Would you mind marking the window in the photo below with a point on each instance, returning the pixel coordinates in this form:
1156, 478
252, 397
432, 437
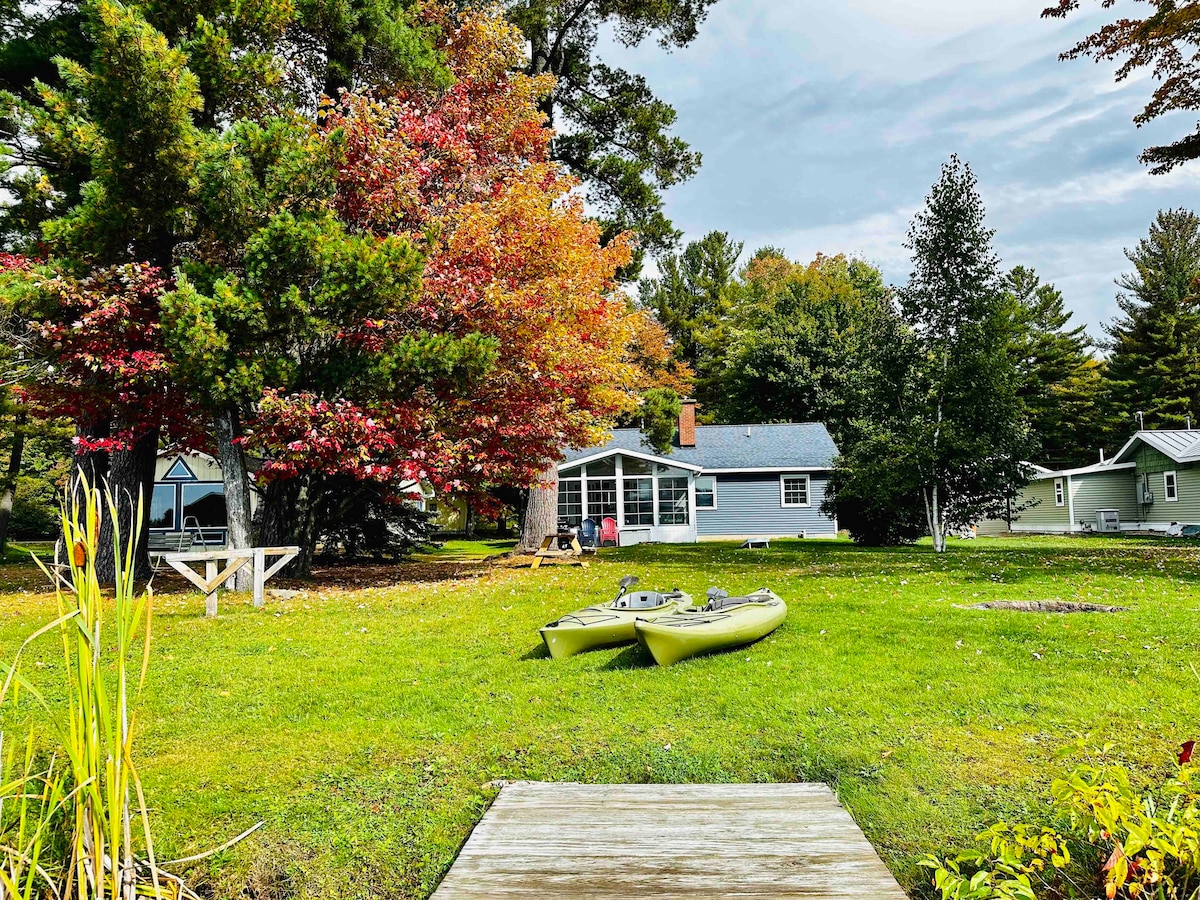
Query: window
1060, 498
431, 505
793, 490
706, 492
602, 468
205, 503
631, 465
601, 497
639, 501
1170, 487
570, 502
162, 506
672, 501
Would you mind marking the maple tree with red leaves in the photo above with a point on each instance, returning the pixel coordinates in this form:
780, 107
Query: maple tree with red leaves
1166, 42
514, 272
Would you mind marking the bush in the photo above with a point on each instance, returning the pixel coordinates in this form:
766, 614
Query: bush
1125, 843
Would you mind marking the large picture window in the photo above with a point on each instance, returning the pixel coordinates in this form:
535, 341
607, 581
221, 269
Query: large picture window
570, 502
639, 501
602, 498
204, 505
793, 490
162, 506
672, 501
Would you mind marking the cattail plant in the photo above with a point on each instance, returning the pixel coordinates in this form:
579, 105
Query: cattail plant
81, 831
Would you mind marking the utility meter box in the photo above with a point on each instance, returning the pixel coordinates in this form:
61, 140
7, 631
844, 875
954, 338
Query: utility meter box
1108, 521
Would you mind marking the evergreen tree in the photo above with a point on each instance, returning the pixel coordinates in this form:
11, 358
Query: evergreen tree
1154, 363
617, 134
694, 298
1058, 374
946, 427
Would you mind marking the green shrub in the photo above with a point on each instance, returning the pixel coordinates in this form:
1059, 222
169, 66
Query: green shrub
1128, 843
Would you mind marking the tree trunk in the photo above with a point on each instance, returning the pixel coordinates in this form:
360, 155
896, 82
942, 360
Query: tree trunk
130, 477
9, 492
541, 516
306, 530
236, 476
91, 464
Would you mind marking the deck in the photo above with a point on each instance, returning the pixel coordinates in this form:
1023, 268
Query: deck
662, 841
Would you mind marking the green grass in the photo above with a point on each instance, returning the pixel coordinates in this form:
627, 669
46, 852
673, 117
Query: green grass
19, 551
363, 726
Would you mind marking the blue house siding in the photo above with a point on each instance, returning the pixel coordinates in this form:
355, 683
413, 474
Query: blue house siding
749, 504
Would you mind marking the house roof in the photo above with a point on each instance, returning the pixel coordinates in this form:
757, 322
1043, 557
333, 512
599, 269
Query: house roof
734, 448
1181, 446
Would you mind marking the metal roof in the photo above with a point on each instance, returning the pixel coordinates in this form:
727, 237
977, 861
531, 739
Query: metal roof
804, 445
1181, 446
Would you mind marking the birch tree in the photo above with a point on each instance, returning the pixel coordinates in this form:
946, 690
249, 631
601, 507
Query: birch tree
945, 436
961, 421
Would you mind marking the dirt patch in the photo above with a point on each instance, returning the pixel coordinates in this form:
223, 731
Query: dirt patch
1046, 606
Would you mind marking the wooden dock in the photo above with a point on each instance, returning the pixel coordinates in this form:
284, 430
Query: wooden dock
653, 840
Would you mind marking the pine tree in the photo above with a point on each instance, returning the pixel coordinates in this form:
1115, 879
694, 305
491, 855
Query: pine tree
1154, 365
1058, 372
694, 298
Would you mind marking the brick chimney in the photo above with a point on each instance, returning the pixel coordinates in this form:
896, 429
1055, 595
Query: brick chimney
687, 424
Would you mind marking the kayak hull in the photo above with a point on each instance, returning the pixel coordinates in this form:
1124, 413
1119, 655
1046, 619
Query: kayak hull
695, 632
596, 627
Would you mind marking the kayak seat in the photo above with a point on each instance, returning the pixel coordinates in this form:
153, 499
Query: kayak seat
642, 600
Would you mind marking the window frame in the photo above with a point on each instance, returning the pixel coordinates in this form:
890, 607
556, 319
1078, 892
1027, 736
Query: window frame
1060, 492
1171, 487
783, 501
712, 478
637, 503
678, 491
181, 515
564, 484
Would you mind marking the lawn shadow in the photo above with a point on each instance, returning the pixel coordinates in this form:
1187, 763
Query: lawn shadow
632, 657
537, 652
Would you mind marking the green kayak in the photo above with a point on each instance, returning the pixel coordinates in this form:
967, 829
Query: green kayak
723, 623
609, 624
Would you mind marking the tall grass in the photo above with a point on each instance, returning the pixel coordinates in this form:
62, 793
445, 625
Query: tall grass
80, 829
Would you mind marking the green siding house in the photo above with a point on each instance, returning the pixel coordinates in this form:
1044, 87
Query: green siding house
1151, 484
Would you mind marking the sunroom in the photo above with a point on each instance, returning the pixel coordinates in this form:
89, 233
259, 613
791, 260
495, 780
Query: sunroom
649, 498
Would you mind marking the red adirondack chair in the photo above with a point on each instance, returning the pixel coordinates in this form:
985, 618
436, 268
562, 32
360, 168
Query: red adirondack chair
608, 532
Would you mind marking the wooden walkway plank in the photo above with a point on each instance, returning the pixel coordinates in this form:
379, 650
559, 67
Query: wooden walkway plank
609, 842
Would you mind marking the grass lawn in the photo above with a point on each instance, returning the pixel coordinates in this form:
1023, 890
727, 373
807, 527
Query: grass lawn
364, 725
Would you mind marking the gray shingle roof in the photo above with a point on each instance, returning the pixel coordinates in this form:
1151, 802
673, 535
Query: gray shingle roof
805, 445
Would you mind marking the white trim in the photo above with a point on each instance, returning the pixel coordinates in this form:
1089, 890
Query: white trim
636, 454
1096, 469
783, 491
696, 504
771, 469
1071, 502
1167, 489
1060, 492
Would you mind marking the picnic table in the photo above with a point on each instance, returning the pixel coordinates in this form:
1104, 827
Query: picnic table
552, 549
234, 560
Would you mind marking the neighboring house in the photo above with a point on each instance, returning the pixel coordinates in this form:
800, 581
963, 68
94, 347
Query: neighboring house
1152, 483
189, 495
717, 482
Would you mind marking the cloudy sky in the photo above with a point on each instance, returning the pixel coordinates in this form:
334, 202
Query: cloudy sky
823, 125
